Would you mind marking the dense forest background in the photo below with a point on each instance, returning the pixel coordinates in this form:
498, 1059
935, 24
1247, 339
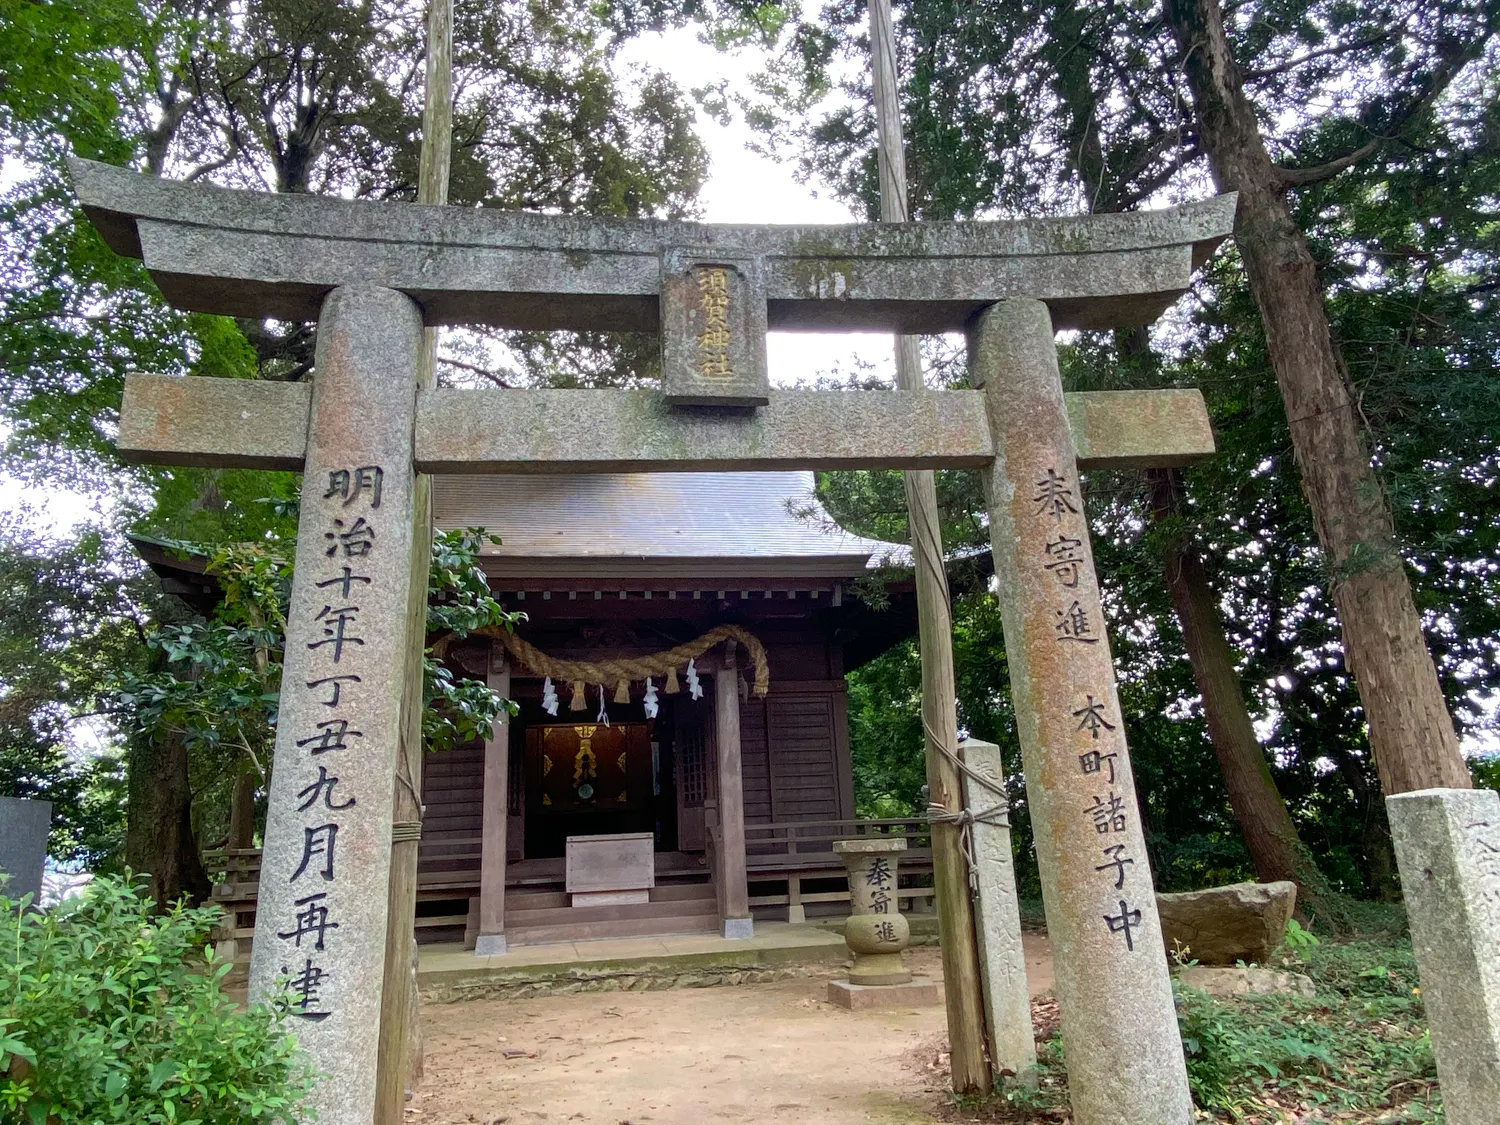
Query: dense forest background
146, 723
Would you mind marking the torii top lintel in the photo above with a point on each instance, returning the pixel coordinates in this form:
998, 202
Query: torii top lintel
711, 291
254, 254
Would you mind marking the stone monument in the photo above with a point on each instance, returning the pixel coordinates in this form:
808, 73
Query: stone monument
876, 933
321, 911
997, 913
1448, 849
373, 274
24, 825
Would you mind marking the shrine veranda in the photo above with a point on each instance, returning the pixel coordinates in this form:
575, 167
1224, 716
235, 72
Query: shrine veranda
373, 275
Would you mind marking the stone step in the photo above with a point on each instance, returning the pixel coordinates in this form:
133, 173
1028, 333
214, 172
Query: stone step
682, 892
560, 915
517, 902
524, 903
616, 928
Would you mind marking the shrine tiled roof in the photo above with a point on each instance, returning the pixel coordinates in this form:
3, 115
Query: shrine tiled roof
644, 516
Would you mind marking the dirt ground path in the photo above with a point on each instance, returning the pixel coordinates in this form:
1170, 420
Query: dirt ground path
760, 1053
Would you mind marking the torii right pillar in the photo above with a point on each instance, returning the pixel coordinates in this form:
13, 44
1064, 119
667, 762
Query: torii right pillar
1119, 1026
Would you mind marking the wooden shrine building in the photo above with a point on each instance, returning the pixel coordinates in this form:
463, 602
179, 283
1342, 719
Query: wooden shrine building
606, 567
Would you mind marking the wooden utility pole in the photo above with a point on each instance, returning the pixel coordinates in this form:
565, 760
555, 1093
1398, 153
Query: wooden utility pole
400, 1014
961, 975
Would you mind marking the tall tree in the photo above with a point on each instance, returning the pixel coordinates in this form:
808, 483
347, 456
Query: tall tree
1411, 733
1075, 104
1116, 171
1274, 844
1108, 159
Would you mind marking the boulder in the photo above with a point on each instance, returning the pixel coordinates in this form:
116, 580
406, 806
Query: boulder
1224, 925
1244, 980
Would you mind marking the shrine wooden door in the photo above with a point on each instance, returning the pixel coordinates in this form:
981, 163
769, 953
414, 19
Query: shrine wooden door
585, 779
694, 770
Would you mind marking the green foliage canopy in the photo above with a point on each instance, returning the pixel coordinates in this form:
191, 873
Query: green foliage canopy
1384, 118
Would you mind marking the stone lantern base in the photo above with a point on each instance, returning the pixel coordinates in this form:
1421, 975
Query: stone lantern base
915, 993
876, 940
879, 978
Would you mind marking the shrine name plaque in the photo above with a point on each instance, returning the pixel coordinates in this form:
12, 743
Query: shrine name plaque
713, 331
611, 870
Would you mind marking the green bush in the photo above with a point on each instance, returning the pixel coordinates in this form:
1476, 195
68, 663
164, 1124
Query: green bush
109, 1012
1359, 1047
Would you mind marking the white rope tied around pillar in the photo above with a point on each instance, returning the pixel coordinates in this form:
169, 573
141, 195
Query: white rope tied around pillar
964, 816
406, 830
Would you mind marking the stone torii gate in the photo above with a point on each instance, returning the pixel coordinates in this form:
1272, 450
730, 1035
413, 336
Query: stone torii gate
373, 275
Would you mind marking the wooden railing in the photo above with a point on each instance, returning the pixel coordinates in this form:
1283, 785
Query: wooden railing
786, 852
800, 837
792, 851
236, 882
233, 867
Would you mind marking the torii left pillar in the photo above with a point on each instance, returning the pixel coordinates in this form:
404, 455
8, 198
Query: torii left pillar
323, 905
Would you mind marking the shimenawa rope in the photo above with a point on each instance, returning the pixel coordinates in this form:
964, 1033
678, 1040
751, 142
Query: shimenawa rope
661, 665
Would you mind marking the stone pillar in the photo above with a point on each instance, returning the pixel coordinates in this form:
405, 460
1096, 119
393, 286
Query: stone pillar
323, 899
1448, 848
491, 939
997, 914
24, 826
734, 893
876, 932
1119, 1026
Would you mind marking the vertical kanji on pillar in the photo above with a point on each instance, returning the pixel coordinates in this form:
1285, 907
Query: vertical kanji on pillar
1119, 1026
321, 911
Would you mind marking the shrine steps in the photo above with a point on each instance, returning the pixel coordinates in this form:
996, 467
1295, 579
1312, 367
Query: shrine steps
538, 917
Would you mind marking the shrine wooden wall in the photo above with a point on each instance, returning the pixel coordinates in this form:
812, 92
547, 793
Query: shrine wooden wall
794, 747
795, 753
453, 796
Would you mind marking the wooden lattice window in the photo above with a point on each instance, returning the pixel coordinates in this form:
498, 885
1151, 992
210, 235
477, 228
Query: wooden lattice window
692, 764
515, 785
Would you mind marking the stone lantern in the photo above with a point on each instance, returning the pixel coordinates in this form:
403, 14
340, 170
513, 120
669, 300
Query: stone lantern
876, 931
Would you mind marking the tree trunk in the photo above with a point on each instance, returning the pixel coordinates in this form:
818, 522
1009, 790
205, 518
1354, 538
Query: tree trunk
1270, 836
159, 838
242, 812
1411, 732
1374, 831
